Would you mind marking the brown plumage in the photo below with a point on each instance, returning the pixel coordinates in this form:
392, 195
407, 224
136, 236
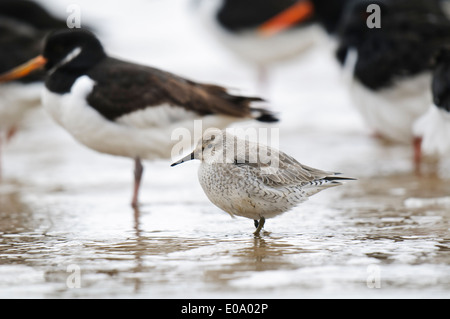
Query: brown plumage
124, 87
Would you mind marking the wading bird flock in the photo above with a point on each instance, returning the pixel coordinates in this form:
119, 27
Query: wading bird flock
398, 76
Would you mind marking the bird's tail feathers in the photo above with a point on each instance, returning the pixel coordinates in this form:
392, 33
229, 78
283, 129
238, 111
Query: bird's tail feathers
263, 115
338, 178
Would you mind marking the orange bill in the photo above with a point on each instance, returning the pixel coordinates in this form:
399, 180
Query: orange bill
298, 12
24, 69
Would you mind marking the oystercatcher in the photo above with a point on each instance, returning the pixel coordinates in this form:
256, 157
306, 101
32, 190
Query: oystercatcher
125, 109
324, 13
391, 66
31, 13
19, 43
235, 23
433, 128
23, 25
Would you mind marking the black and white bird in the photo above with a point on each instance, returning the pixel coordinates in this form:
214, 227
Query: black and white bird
19, 43
236, 24
322, 13
252, 28
389, 68
433, 128
23, 25
125, 109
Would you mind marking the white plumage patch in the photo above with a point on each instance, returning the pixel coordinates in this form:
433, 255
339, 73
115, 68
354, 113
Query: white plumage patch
16, 99
391, 112
434, 128
156, 116
255, 48
69, 57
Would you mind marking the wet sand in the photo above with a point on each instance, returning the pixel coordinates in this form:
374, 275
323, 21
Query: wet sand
67, 229
73, 211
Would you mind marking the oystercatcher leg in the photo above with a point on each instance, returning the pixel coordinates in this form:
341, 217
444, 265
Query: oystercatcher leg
138, 170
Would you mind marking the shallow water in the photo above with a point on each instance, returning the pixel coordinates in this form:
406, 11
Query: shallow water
67, 229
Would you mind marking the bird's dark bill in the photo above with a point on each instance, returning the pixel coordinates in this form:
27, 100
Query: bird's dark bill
184, 159
24, 69
296, 13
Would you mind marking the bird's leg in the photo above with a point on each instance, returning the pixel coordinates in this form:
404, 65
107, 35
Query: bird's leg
138, 170
261, 222
417, 145
10, 133
137, 214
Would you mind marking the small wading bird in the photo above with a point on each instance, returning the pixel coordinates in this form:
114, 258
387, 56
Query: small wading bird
253, 180
126, 109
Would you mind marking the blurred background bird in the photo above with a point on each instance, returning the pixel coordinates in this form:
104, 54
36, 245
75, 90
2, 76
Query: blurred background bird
238, 25
388, 68
23, 25
433, 128
126, 109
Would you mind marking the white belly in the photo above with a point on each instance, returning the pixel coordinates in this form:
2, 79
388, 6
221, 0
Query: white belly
434, 129
16, 99
392, 112
254, 48
148, 134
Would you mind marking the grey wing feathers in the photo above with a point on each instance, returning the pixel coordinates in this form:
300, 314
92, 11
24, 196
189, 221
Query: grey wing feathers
283, 170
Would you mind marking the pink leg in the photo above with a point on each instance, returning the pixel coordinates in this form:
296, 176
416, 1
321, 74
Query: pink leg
417, 145
138, 170
11, 132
